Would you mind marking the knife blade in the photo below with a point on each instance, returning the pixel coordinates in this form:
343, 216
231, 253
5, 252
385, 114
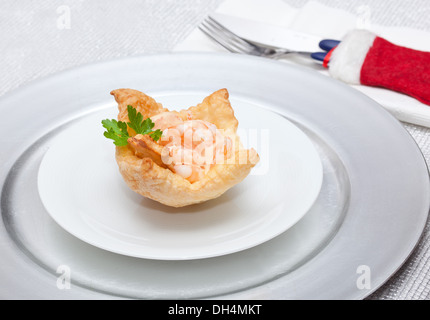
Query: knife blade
269, 35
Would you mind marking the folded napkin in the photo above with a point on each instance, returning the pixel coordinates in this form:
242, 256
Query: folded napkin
326, 22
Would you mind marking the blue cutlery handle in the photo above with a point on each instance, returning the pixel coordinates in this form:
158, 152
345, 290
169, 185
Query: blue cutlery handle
320, 56
328, 44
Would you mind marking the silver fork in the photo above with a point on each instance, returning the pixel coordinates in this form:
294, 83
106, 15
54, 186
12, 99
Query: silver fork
236, 44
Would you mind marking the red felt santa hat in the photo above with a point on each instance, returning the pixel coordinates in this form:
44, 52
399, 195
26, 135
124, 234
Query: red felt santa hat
364, 58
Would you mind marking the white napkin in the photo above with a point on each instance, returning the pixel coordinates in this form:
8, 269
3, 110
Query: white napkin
326, 22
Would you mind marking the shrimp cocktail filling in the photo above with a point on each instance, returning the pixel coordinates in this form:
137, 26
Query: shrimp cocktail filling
190, 148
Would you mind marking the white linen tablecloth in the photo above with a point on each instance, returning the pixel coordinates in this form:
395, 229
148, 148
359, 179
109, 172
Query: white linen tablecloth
37, 39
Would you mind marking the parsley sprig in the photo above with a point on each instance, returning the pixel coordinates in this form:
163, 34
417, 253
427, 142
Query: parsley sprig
117, 130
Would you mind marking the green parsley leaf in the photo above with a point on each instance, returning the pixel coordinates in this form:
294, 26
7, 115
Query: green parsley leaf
137, 123
147, 126
156, 135
117, 131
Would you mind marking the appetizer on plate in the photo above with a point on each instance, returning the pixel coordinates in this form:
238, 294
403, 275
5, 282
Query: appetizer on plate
178, 158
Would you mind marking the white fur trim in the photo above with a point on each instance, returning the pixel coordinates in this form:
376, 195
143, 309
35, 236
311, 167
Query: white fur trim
348, 58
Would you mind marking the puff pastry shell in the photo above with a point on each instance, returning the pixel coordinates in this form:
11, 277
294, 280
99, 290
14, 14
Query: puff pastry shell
143, 172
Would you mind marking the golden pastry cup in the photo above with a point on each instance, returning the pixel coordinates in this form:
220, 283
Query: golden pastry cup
145, 174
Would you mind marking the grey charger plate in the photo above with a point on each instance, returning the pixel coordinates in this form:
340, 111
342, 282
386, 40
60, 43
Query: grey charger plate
369, 216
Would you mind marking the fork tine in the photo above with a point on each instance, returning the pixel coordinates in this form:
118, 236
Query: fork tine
221, 38
242, 44
226, 38
234, 43
230, 34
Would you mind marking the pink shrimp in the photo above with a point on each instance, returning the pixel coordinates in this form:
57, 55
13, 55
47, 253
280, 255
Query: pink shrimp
193, 147
166, 120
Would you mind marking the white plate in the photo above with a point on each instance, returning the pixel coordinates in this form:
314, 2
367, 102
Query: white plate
81, 188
